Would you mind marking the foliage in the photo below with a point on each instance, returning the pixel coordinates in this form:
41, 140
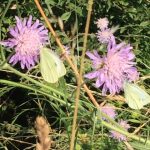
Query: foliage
24, 95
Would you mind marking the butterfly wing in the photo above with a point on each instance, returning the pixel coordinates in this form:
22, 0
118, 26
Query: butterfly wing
61, 70
135, 96
132, 98
48, 66
144, 97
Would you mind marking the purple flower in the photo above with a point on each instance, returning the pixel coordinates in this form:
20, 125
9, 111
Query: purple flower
119, 136
109, 111
67, 52
105, 36
27, 39
111, 70
124, 124
102, 23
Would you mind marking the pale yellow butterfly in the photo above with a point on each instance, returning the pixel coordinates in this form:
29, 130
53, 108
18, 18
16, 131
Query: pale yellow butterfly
51, 66
135, 96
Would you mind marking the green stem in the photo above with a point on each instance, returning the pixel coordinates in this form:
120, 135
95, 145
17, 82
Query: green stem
2, 17
110, 126
32, 89
93, 130
90, 4
32, 80
79, 79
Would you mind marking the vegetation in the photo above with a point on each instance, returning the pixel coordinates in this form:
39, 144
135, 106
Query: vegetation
24, 95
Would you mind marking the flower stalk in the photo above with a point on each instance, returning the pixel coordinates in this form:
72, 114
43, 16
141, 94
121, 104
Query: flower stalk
7, 66
77, 75
2, 17
79, 79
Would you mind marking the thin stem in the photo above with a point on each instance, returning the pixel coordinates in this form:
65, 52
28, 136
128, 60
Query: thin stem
15, 84
33, 81
90, 4
2, 65
145, 77
2, 17
74, 124
11, 139
93, 130
79, 80
129, 135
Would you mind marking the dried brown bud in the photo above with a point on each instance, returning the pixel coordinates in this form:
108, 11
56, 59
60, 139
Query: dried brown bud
43, 130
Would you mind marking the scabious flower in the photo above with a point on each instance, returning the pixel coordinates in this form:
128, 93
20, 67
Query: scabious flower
112, 69
104, 34
102, 23
109, 111
27, 39
117, 135
68, 51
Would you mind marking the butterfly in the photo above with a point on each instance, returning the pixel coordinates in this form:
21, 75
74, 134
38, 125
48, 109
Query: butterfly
135, 96
51, 66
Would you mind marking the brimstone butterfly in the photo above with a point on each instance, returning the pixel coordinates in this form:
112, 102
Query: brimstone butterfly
51, 66
135, 96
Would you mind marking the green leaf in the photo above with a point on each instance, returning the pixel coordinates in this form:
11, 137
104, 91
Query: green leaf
50, 2
78, 147
134, 121
140, 146
145, 23
66, 16
79, 11
122, 30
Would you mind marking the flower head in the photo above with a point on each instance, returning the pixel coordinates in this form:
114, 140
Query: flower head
109, 111
117, 135
124, 124
102, 23
27, 39
111, 70
68, 51
105, 36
